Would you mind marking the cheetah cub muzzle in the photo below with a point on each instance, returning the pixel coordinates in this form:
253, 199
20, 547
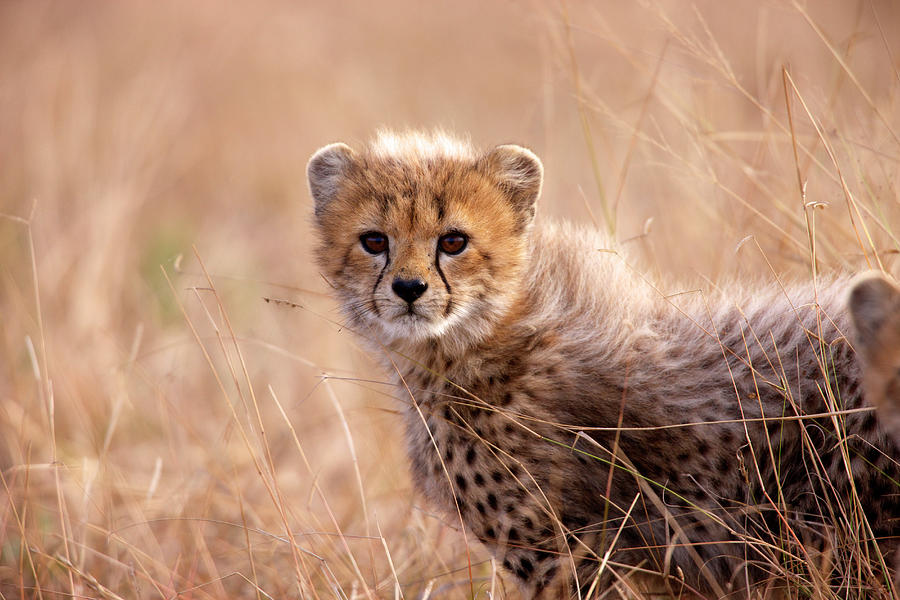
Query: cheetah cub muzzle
596, 436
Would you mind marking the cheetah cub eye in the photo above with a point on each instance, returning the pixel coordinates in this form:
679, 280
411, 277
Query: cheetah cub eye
374, 242
453, 243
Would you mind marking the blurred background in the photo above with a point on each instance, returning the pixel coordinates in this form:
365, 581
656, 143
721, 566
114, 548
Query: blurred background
167, 432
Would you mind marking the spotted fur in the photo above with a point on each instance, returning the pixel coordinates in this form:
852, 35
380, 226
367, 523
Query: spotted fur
583, 426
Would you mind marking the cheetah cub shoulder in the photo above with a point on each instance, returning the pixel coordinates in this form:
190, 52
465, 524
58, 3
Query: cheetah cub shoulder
592, 434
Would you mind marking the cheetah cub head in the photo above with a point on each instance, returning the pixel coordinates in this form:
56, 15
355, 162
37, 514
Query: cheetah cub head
423, 236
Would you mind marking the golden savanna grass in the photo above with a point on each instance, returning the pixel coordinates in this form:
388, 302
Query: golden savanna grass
165, 432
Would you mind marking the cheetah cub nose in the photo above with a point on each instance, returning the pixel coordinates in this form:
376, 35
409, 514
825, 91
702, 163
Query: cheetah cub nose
409, 289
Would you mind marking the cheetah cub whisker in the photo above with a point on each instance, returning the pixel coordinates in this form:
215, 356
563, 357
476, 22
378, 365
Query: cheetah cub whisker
587, 428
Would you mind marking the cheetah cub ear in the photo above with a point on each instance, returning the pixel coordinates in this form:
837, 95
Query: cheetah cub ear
519, 173
325, 171
874, 306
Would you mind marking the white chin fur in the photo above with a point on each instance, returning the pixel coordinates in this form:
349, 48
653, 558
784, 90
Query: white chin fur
415, 328
403, 328
468, 323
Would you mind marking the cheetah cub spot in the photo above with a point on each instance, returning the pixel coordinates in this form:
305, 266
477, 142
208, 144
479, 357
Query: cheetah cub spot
589, 432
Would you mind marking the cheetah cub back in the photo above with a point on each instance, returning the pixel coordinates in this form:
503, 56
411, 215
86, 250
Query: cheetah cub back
593, 435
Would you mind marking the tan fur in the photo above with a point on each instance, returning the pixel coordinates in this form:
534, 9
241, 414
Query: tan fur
531, 347
875, 307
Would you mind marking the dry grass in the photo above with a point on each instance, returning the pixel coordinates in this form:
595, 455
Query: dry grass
164, 433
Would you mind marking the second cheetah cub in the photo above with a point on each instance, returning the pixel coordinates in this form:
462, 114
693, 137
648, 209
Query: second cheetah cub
593, 435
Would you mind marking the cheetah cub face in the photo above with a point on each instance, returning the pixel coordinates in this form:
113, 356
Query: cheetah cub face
420, 236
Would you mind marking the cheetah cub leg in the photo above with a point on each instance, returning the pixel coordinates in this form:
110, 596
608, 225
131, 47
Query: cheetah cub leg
874, 306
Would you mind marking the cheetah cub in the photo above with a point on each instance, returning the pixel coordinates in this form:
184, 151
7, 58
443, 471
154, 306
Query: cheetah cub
598, 437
